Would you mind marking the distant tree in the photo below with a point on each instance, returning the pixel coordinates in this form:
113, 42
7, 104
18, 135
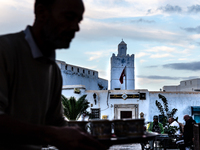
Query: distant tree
73, 108
165, 110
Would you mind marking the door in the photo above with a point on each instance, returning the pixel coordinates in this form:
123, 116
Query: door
197, 118
125, 111
126, 115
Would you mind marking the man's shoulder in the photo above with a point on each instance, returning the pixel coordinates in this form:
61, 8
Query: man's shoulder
9, 41
174, 124
16, 35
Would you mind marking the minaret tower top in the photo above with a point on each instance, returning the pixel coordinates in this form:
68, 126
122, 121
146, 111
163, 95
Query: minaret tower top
122, 49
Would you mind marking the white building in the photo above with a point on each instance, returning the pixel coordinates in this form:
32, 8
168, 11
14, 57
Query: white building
75, 75
114, 105
118, 63
186, 85
124, 101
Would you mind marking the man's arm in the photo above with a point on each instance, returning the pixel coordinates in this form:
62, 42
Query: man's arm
161, 128
62, 137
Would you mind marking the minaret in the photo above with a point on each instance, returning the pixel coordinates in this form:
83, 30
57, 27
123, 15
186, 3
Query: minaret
117, 65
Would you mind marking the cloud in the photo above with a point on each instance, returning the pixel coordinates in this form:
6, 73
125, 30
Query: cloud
92, 30
171, 9
161, 48
99, 54
152, 66
192, 66
161, 55
194, 8
196, 30
142, 60
142, 21
149, 11
156, 77
141, 54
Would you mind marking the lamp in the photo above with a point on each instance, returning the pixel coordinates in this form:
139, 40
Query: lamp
94, 96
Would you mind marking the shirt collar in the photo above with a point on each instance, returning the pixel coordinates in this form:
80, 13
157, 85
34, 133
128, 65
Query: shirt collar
33, 46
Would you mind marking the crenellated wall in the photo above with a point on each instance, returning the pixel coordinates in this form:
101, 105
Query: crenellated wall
75, 75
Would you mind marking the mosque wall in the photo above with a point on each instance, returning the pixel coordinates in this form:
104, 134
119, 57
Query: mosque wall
75, 75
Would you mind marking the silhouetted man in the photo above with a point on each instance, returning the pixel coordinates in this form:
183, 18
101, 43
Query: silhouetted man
188, 131
30, 82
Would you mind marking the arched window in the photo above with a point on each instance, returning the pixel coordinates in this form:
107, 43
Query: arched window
83, 71
72, 68
78, 70
65, 67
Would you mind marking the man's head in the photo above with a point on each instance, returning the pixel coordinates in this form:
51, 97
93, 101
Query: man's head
186, 117
170, 120
43, 2
155, 119
57, 21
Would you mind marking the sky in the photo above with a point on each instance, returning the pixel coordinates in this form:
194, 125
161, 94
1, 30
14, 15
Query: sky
164, 36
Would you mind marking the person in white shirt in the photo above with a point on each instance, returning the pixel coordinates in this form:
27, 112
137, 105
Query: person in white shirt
174, 123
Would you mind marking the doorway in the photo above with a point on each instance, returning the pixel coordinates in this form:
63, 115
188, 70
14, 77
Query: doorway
126, 115
125, 111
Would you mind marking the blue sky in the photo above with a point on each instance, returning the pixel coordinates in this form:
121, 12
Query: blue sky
164, 35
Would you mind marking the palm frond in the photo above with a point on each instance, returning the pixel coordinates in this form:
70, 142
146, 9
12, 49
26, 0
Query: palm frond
73, 108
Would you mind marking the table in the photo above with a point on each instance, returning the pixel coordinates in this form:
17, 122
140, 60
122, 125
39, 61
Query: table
166, 140
128, 140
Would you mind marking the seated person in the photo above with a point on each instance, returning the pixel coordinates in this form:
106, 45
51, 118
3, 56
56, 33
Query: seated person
155, 126
174, 123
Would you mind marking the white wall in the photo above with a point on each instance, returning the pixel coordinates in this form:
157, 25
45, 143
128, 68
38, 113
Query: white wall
186, 85
179, 100
75, 75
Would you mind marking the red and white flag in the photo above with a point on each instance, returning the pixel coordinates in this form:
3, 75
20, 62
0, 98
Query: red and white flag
122, 75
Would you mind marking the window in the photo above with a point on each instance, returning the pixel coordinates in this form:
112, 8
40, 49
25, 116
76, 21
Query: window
88, 72
93, 73
142, 96
72, 69
65, 67
83, 71
78, 70
95, 113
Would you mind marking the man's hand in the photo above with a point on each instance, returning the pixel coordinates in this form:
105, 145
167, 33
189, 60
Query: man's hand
71, 138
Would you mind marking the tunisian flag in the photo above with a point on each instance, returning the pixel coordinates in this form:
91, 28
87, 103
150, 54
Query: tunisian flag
122, 75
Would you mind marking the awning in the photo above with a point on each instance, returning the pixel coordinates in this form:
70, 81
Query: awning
195, 109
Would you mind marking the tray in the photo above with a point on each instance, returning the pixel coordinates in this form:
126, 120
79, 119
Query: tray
127, 140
